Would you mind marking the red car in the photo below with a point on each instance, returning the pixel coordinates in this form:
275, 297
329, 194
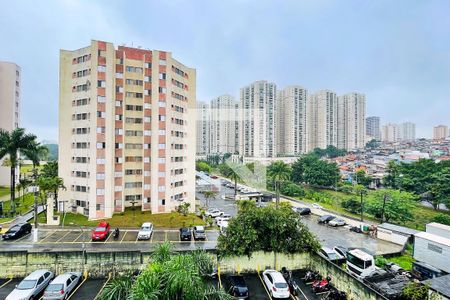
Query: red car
101, 231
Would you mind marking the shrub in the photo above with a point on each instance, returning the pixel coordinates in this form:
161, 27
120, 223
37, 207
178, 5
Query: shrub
380, 261
352, 205
443, 219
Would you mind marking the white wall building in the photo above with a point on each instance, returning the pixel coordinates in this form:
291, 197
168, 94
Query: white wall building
440, 132
291, 120
407, 131
10, 101
390, 132
351, 121
203, 129
322, 124
224, 118
373, 128
257, 126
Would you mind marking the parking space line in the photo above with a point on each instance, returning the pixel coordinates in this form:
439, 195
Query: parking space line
99, 292
109, 236
301, 291
63, 236
123, 236
22, 238
6, 283
264, 285
151, 237
47, 237
74, 291
75, 240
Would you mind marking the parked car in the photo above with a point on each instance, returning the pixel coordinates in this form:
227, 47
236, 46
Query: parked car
61, 287
276, 284
317, 206
17, 231
325, 219
31, 286
101, 232
336, 222
342, 251
303, 211
224, 217
214, 213
235, 286
329, 254
223, 227
214, 177
185, 234
199, 233
145, 233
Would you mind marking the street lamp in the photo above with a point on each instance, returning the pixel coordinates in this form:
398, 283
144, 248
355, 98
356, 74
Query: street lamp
35, 192
385, 198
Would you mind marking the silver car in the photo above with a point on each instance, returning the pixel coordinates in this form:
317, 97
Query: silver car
31, 286
62, 286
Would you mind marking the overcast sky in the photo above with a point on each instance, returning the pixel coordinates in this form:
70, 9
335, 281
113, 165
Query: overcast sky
396, 52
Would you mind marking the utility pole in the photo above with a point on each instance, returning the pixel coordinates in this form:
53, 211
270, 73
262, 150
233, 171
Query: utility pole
35, 192
362, 206
134, 212
384, 205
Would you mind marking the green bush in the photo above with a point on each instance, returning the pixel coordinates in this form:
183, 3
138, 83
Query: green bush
352, 205
443, 219
380, 261
292, 190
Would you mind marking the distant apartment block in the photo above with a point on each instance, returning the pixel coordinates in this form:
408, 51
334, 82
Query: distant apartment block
351, 121
291, 121
224, 118
203, 129
257, 126
10, 101
322, 123
124, 138
390, 132
440, 132
373, 128
407, 131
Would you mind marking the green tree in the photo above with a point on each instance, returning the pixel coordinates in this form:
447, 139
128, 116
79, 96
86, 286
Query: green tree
202, 166
208, 196
11, 143
232, 171
442, 218
362, 178
117, 288
311, 170
279, 172
372, 144
361, 191
391, 205
183, 208
418, 291
281, 228
292, 190
352, 205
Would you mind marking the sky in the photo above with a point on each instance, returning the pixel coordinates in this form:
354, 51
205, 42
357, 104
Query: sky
395, 52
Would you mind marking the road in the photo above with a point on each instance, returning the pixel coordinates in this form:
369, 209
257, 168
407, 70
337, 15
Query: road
329, 236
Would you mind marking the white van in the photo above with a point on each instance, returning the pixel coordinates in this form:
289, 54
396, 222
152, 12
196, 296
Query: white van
360, 263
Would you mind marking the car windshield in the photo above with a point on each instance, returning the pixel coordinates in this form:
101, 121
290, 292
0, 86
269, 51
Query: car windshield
100, 229
55, 287
14, 229
26, 284
332, 255
355, 261
145, 228
281, 285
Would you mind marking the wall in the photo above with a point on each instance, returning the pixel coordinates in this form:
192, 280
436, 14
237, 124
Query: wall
100, 264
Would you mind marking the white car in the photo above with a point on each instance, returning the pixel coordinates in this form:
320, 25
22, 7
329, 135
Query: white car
317, 206
214, 213
224, 217
62, 286
223, 227
276, 284
31, 286
145, 233
336, 222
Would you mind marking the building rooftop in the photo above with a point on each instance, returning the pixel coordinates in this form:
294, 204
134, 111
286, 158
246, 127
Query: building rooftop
440, 284
439, 225
434, 238
398, 228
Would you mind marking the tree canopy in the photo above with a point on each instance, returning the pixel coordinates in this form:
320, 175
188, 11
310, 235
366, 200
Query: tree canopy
396, 205
281, 228
331, 152
312, 170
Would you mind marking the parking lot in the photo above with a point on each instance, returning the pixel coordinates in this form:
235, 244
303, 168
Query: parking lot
86, 290
76, 236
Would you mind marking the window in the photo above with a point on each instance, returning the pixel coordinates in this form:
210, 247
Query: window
161, 160
163, 62
162, 90
101, 99
101, 145
101, 83
100, 176
147, 78
161, 132
134, 69
101, 129
132, 185
101, 161
161, 117
101, 114
119, 131
161, 146
161, 188
119, 75
118, 103
161, 104
162, 76
161, 174
148, 65
147, 132
100, 192
119, 117
434, 248
101, 68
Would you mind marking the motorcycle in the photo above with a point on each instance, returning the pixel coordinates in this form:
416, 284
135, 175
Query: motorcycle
335, 295
321, 286
311, 276
293, 286
116, 233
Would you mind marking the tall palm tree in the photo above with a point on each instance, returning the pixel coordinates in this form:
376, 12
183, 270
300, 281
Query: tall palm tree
55, 183
278, 171
208, 195
11, 143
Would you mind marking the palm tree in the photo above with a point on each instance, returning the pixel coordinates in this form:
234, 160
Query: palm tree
11, 143
24, 182
208, 195
278, 171
117, 288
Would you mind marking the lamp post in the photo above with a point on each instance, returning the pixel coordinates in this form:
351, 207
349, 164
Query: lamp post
83, 246
385, 198
35, 192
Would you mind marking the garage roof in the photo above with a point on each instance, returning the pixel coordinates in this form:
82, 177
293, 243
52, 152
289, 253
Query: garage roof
397, 228
440, 284
434, 238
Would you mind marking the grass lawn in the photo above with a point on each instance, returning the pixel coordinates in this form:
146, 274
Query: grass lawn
126, 219
405, 261
4, 190
21, 206
26, 169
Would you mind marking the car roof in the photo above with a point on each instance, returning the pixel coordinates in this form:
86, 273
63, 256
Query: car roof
63, 277
199, 227
185, 229
237, 280
102, 224
36, 274
275, 275
146, 224
327, 250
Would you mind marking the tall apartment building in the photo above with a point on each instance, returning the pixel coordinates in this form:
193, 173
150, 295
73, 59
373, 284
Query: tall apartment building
10, 95
124, 116
257, 126
291, 120
322, 123
203, 129
390, 132
440, 132
224, 117
407, 131
373, 128
351, 121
